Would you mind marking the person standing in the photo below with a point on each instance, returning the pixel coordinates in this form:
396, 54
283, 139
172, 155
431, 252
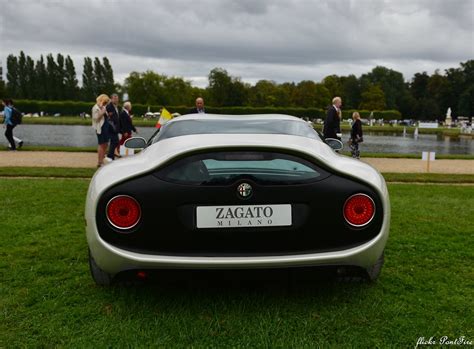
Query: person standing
126, 124
9, 123
114, 127
99, 115
356, 135
199, 109
332, 124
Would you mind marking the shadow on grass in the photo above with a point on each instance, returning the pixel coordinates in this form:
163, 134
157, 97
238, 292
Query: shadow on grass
235, 283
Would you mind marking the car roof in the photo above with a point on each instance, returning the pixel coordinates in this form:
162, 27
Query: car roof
235, 117
205, 124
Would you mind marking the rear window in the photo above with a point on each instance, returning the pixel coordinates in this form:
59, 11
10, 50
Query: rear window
232, 126
223, 168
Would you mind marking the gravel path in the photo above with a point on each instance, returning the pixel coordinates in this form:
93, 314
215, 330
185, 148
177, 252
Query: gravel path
65, 159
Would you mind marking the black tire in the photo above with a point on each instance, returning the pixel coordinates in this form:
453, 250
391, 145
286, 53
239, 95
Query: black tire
374, 271
371, 274
100, 277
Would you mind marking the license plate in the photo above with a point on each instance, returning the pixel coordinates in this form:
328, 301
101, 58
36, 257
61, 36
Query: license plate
243, 216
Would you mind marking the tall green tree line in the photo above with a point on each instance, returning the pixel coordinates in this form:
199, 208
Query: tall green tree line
424, 96
54, 78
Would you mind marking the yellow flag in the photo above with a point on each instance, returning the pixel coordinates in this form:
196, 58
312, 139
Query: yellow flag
165, 116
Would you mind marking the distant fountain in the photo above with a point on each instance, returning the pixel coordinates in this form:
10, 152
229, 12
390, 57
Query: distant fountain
448, 120
416, 133
404, 131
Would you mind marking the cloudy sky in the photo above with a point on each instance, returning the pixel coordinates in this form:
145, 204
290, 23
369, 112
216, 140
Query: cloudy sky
281, 40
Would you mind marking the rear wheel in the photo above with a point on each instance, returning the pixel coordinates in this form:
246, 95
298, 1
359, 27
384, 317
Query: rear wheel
370, 274
373, 272
100, 277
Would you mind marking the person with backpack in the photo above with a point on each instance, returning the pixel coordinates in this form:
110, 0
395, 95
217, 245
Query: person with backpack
12, 118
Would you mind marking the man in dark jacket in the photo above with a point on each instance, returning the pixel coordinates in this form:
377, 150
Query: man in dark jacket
114, 126
126, 125
199, 107
332, 124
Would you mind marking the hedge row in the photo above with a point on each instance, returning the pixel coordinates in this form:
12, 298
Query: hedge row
76, 108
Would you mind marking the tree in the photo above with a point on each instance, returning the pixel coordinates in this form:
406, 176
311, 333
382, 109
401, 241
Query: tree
334, 86
323, 96
145, 88
60, 77
99, 76
51, 78
13, 84
373, 98
152, 88
310, 94
466, 99
3, 90
419, 85
238, 94
22, 76
89, 84
407, 105
439, 89
350, 94
108, 77
427, 109
219, 87
177, 91
390, 81
455, 79
41, 79
263, 94
284, 94
31, 80
466, 102
71, 88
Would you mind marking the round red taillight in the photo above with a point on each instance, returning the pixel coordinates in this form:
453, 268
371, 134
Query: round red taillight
359, 210
123, 212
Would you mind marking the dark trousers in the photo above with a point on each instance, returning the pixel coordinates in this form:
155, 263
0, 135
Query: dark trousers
9, 135
355, 149
114, 141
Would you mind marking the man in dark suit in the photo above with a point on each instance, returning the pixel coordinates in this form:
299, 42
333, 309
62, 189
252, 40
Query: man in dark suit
332, 124
114, 126
126, 125
199, 107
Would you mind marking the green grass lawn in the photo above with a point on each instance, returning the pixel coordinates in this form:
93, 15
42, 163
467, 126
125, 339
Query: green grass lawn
48, 299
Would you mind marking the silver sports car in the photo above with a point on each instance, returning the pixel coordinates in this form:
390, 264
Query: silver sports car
225, 191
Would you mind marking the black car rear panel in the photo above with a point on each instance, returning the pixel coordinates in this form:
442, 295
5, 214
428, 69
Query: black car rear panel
168, 222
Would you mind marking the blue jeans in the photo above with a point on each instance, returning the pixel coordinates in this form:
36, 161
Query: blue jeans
9, 136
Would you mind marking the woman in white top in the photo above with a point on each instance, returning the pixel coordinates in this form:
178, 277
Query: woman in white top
99, 123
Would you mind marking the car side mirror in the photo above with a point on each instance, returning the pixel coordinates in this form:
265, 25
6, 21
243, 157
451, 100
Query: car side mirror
135, 143
334, 143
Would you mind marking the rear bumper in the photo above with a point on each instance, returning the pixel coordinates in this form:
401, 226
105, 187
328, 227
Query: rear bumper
329, 197
114, 260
